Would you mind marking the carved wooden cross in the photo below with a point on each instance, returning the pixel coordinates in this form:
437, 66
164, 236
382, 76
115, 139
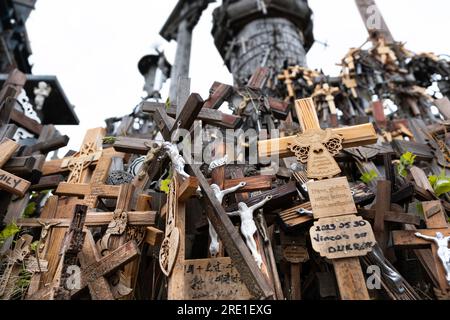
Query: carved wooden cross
78, 164
436, 221
8, 181
325, 144
71, 246
95, 189
213, 278
348, 270
95, 268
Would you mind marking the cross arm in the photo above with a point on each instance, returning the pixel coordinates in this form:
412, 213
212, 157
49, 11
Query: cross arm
94, 219
408, 238
354, 136
208, 116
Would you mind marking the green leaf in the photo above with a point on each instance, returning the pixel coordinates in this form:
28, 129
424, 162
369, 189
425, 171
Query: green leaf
368, 177
29, 210
9, 231
440, 184
34, 246
109, 140
408, 158
165, 185
168, 103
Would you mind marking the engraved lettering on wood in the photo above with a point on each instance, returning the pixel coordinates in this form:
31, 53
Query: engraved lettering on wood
330, 198
213, 279
342, 237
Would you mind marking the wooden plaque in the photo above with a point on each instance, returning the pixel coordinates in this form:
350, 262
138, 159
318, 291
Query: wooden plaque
295, 254
330, 198
342, 237
213, 279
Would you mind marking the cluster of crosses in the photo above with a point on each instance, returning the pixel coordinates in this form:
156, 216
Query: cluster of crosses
347, 199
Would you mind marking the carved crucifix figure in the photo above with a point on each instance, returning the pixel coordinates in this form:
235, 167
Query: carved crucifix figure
248, 226
178, 161
443, 251
220, 194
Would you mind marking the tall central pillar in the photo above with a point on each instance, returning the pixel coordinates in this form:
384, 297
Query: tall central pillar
251, 34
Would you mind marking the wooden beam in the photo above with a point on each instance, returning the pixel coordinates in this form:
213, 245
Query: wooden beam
408, 239
351, 281
354, 136
94, 219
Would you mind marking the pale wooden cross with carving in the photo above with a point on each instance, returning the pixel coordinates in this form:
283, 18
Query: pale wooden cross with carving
324, 145
78, 164
95, 189
348, 270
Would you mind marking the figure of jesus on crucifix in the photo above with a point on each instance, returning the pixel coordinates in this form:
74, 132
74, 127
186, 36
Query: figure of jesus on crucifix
443, 250
248, 226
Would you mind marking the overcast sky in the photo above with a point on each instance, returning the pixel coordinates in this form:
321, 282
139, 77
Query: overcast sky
93, 46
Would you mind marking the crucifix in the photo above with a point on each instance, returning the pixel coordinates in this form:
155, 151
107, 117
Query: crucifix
194, 279
434, 236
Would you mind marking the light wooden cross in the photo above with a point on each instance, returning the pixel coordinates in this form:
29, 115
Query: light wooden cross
8, 181
287, 76
353, 136
95, 189
78, 164
328, 93
436, 221
348, 271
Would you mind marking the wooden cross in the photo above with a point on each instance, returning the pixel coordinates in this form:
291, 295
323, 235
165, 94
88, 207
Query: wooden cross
287, 77
436, 221
194, 279
353, 136
348, 270
167, 126
328, 92
71, 246
17, 255
251, 275
95, 189
95, 268
8, 181
77, 165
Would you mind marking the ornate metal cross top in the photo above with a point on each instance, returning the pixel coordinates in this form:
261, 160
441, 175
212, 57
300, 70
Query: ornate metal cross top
317, 148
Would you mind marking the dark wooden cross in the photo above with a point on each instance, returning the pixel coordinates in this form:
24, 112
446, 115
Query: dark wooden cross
72, 245
95, 268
